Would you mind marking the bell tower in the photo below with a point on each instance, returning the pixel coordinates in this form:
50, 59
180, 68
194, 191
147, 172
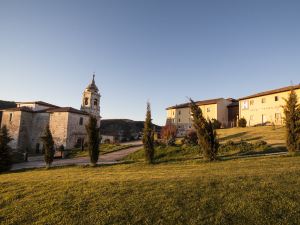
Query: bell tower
91, 100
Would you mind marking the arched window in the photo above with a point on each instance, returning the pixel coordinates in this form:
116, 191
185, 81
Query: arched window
95, 102
86, 101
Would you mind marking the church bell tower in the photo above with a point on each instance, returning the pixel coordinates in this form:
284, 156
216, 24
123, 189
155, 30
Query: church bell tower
91, 100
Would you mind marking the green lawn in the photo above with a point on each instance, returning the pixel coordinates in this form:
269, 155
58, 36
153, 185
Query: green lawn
104, 149
261, 190
275, 136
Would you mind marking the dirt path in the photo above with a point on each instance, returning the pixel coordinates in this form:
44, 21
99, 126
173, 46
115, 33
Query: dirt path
109, 158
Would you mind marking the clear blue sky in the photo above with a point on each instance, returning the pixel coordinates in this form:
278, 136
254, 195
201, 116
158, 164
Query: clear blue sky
156, 50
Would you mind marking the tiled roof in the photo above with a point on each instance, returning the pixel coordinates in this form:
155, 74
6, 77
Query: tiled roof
279, 90
204, 102
38, 103
23, 109
67, 109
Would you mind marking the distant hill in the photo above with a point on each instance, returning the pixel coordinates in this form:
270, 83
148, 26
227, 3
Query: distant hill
6, 105
123, 129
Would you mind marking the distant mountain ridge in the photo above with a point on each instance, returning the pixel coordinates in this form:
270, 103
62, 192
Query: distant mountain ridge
123, 129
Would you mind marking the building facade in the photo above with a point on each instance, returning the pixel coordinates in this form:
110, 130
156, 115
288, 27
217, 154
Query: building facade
180, 115
265, 108
27, 122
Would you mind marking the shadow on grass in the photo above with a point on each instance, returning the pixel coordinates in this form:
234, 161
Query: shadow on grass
229, 137
253, 153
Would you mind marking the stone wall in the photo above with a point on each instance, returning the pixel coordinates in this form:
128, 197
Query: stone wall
58, 124
13, 126
39, 123
24, 142
75, 129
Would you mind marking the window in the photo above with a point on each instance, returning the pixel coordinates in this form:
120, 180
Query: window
276, 98
278, 118
10, 117
81, 121
179, 120
86, 101
245, 104
95, 102
208, 109
179, 112
251, 102
263, 100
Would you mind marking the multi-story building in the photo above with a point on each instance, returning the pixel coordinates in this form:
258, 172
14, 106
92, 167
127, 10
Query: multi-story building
180, 115
265, 108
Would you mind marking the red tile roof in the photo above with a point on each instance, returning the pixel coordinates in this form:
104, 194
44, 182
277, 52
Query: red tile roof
204, 102
67, 109
275, 91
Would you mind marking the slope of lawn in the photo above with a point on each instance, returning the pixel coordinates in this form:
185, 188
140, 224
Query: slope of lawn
262, 190
104, 149
275, 136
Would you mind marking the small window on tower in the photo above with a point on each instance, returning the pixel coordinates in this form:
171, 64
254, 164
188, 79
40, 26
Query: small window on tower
95, 102
10, 117
86, 101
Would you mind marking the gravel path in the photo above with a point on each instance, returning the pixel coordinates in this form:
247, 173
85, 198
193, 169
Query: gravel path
107, 159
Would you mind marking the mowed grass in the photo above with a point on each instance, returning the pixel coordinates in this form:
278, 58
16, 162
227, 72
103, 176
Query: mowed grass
104, 149
261, 190
274, 136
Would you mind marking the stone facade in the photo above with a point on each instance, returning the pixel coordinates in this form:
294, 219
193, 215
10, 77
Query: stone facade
27, 122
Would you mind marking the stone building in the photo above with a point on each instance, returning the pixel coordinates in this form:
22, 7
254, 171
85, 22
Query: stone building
27, 122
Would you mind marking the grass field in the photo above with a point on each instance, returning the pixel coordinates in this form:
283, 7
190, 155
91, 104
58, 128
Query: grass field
179, 189
275, 136
104, 149
245, 191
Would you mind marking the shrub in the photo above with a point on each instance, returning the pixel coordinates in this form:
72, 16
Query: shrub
190, 138
106, 141
168, 134
260, 145
242, 122
216, 124
241, 146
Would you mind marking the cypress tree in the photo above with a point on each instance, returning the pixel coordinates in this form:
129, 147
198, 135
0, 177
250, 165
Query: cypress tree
93, 132
292, 122
148, 136
48, 145
206, 134
5, 158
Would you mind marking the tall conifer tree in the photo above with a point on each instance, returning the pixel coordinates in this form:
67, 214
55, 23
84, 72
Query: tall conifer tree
292, 122
93, 132
5, 158
148, 137
207, 136
48, 145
